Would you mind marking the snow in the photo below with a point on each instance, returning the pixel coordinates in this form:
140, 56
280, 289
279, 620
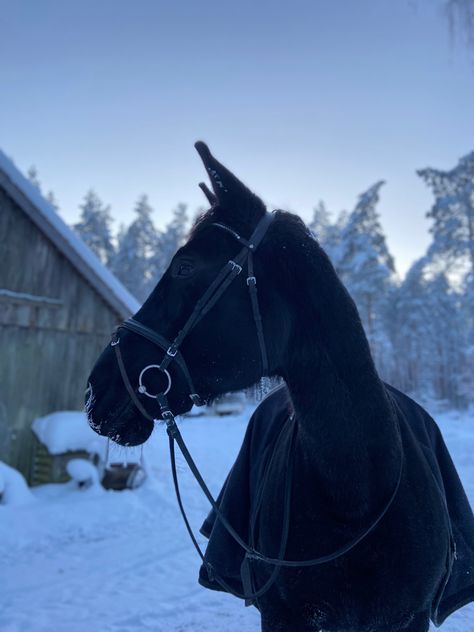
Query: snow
83, 472
68, 430
13, 487
82, 560
51, 216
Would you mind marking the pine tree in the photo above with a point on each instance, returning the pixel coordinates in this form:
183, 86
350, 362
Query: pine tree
367, 268
411, 331
32, 174
327, 233
431, 335
136, 246
94, 226
320, 224
453, 214
465, 312
170, 240
52, 200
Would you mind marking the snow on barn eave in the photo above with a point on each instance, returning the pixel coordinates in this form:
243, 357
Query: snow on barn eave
43, 215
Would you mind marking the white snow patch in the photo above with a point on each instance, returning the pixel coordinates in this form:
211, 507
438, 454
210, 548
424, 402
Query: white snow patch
83, 472
79, 560
67, 431
13, 487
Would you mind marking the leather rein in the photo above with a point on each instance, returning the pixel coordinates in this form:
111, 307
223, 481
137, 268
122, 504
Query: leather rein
172, 353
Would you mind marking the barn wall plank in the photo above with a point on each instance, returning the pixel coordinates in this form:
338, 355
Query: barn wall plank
46, 353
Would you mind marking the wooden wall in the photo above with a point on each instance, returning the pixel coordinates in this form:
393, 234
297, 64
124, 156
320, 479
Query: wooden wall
47, 349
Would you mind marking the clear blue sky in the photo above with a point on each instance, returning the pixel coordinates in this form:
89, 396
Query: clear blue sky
308, 100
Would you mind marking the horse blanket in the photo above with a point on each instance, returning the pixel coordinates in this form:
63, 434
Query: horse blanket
240, 493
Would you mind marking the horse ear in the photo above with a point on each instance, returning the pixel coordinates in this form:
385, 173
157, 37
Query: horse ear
211, 198
229, 191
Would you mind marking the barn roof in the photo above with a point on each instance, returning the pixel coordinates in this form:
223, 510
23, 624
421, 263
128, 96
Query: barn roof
41, 213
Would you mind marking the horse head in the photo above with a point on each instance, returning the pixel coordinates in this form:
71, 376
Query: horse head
222, 350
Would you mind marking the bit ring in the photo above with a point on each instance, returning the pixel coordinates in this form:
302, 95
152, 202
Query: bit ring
142, 387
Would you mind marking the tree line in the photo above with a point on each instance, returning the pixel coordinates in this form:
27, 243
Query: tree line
140, 253
420, 329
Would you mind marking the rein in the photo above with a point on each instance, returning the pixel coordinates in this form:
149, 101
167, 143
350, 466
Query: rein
172, 353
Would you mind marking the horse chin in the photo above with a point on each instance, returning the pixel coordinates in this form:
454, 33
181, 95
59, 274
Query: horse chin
124, 426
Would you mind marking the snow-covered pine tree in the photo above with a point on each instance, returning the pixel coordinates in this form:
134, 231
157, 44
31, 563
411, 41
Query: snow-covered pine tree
172, 238
52, 200
451, 258
453, 215
465, 371
447, 338
408, 330
320, 223
32, 175
132, 262
367, 268
94, 226
327, 233
431, 334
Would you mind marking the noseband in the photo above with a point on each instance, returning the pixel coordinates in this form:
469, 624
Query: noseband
222, 281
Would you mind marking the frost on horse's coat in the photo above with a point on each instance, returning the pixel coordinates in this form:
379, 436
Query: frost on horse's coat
241, 489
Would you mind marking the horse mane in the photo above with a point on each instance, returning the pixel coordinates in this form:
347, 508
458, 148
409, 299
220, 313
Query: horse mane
324, 306
295, 264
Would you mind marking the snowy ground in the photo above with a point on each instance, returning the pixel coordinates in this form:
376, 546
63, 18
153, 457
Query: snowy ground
83, 561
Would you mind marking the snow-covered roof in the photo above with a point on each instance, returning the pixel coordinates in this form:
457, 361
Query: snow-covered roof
41, 213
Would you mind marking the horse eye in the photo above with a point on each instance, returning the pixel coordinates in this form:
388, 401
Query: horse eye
184, 269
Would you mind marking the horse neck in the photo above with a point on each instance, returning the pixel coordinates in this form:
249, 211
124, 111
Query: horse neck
347, 424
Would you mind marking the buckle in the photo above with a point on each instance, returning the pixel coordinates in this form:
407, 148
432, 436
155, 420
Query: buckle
171, 427
196, 399
235, 266
251, 280
172, 351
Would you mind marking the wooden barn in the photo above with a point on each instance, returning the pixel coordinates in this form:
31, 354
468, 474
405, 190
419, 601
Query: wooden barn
58, 306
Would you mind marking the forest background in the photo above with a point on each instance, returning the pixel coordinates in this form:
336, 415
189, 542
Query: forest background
420, 327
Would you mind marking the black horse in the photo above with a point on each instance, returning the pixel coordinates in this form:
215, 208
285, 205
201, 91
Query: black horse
353, 453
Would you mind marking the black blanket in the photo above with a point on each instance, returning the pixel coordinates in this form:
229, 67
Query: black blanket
238, 496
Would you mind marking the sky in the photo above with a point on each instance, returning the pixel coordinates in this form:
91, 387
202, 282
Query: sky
308, 100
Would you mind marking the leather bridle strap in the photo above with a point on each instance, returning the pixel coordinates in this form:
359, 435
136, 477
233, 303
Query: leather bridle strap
257, 316
250, 552
175, 435
249, 595
160, 341
210, 297
128, 386
226, 275
250, 246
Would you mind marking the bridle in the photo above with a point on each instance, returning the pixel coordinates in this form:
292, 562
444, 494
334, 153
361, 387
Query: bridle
172, 353
210, 297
